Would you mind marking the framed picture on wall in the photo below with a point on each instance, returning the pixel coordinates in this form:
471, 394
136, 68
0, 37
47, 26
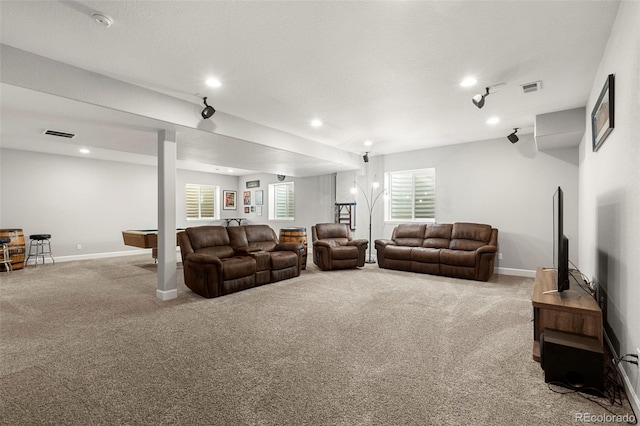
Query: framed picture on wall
247, 198
603, 114
259, 195
246, 209
229, 198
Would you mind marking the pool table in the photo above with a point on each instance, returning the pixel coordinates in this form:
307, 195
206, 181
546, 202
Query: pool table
144, 238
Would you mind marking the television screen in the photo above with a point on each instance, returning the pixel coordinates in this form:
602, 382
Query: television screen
560, 243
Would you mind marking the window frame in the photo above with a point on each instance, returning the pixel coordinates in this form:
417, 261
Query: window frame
215, 200
289, 204
429, 173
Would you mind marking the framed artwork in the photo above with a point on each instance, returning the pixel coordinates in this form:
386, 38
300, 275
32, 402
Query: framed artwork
253, 184
253, 209
229, 200
259, 210
259, 195
603, 114
246, 209
247, 198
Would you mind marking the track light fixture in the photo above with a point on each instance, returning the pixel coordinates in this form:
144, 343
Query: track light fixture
478, 100
513, 138
365, 157
208, 110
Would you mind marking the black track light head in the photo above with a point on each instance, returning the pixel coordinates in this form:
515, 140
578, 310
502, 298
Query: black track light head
513, 138
478, 100
208, 110
365, 157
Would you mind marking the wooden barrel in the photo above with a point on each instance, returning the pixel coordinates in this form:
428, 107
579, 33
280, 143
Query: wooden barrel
296, 235
16, 246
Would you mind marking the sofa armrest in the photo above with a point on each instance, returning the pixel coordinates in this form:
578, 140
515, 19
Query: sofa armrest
358, 242
325, 243
487, 249
203, 259
289, 247
383, 243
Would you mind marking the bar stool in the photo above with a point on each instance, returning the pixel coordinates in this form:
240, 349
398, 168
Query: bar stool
6, 258
42, 246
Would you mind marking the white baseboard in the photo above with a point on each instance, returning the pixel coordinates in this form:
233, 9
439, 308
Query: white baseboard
515, 272
102, 255
628, 387
167, 294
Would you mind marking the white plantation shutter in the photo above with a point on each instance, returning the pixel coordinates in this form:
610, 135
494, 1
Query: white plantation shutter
412, 195
281, 201
200, 201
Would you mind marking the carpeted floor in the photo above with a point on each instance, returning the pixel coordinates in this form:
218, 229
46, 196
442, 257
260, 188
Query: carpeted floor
87, 342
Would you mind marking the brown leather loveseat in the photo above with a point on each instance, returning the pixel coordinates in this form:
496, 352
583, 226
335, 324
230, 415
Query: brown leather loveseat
334, 248
459, 250
219, 260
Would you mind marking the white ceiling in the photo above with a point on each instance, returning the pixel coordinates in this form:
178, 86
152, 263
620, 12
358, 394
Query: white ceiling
383, 71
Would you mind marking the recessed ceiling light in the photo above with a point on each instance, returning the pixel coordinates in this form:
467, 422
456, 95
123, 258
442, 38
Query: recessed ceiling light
316, 122
230, 171
493, 120
368, 143
84, 151
468, 82
213, 82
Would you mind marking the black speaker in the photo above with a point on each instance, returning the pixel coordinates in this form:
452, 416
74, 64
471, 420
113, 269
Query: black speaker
574, 361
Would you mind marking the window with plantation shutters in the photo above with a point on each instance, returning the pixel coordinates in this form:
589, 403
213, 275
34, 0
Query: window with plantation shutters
200, 201
411, 195
281, 201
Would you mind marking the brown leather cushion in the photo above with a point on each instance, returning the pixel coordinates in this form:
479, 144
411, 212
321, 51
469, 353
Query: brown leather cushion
426, 255
263, 260
458, 257
217, 251
238, 267
208, 236
332, 231
410, 235
237, 236
469, 236
260, 233
397, 252
344, 252
283, 259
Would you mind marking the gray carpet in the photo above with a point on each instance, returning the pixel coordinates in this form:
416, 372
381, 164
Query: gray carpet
88, 343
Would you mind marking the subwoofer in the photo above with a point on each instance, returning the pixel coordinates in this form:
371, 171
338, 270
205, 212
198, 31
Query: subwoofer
573, 361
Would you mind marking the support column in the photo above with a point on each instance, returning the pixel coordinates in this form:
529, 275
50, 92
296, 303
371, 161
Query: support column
167, 279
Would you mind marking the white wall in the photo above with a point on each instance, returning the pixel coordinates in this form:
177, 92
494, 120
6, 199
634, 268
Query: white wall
610, 191
85, 201
509, 186
314, 200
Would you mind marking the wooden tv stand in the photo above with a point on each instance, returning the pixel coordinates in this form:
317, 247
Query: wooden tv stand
572, 311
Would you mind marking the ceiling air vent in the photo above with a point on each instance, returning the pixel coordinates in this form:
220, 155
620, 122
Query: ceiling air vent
60, 134
531, 87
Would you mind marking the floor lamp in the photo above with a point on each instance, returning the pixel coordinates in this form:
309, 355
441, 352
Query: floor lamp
371, 203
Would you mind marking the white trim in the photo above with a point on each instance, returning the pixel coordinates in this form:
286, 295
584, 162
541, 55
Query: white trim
628, 387
102, 255
165, 295
515, 272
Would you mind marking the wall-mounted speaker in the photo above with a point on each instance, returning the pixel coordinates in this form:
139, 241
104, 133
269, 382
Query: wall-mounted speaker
573, 361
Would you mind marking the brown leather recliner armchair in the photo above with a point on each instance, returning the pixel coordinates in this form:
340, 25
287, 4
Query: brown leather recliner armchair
333, 247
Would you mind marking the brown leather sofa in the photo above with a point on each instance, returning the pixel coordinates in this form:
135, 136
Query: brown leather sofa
219, 260
333, 247
459, 250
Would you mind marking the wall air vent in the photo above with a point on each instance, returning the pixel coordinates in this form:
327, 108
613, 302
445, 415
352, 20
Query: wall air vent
59, 134
531, 87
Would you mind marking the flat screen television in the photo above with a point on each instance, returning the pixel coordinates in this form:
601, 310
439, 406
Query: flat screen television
560, 243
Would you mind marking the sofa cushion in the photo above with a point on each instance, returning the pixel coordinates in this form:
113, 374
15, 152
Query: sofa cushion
469, 236
336, 231
208, 236
425, 255
261, 236
410, 235
217, 251
458, 257
344, 253
437, 235
238, 267
398, 252
283, 259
